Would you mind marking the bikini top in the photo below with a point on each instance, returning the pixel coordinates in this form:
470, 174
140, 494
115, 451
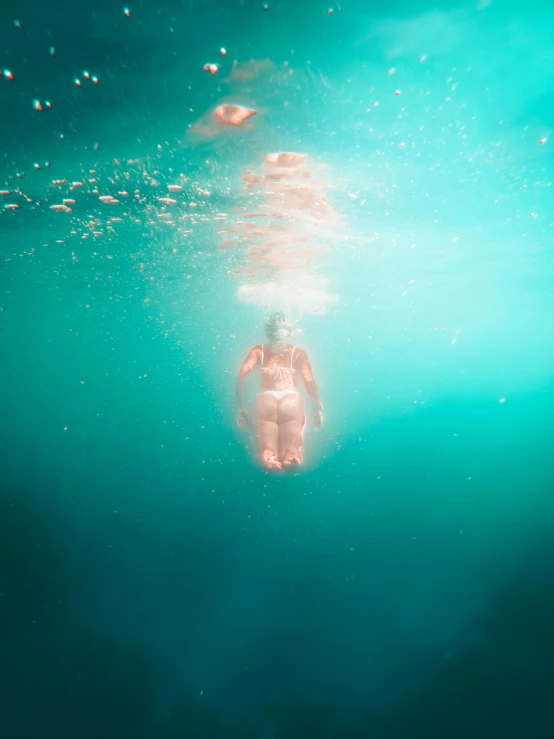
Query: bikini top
278, 368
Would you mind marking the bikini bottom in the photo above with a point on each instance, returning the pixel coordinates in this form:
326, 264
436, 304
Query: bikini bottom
279, 394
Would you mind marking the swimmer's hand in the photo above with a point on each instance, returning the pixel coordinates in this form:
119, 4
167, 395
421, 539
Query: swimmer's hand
317, 419
243, 419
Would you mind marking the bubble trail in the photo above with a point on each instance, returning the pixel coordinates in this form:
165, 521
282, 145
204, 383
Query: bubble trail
281, 242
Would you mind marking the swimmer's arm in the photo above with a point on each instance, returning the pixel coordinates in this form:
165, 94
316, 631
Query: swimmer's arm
247, 366
302, 364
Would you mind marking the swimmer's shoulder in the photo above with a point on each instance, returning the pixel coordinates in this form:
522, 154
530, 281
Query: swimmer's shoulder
299, 354
255, 353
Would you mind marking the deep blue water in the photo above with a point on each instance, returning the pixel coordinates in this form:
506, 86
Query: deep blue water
153, 581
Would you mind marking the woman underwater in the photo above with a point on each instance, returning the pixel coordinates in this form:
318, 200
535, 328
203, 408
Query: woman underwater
279, 416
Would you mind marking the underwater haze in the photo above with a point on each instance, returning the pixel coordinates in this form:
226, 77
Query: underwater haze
155, 583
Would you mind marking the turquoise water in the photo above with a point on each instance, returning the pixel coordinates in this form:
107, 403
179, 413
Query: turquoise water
153, 581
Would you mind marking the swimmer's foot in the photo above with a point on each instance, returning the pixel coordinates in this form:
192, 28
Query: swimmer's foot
292, 462
270, 461
293, 458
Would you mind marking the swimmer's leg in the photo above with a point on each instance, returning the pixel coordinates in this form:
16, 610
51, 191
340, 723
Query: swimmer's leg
267, 431
292, 422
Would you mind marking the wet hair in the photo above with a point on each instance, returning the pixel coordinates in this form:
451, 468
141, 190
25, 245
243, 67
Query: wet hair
275, 322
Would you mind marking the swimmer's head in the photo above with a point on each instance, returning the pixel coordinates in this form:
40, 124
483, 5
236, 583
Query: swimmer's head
279, 328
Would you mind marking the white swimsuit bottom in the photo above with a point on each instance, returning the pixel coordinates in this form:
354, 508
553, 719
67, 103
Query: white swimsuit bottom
279, 394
